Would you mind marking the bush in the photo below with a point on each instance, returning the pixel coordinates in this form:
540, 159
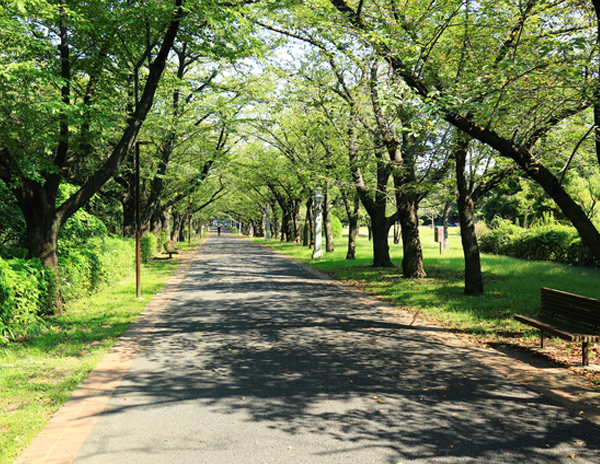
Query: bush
545, 242
81, 226
26, 291
86, 268
28, 288
149, 246
501, 239
336, 227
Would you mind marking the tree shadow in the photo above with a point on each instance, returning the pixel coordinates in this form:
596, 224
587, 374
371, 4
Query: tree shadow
252, 337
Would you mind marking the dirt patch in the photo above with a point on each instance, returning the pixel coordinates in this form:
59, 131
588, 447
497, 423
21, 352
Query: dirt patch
561, 353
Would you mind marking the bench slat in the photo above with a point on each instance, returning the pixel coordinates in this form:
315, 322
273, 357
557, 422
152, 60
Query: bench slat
570, 298
566, 332
586, 311
570, 316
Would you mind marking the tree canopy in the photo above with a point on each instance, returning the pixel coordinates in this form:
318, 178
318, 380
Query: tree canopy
242, 109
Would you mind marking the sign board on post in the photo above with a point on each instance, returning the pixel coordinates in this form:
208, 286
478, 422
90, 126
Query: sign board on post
438, 236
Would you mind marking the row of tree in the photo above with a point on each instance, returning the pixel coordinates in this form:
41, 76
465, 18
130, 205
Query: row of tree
396, 102
249, 106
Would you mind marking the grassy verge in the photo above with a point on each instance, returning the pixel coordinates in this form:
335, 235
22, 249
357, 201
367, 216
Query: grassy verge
38, 375
512, 286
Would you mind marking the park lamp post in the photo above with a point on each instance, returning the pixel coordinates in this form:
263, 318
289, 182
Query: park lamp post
267, 224
138, 223
318, 201
138, 226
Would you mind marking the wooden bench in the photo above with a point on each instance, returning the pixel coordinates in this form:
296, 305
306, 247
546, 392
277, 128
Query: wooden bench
170, 249
571, 317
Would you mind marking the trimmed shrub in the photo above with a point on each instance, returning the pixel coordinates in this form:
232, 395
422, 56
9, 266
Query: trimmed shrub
149, 244
28, 288
100, 261
336, 227
26, 291
86, 268
501, 239
116, 258
544, 242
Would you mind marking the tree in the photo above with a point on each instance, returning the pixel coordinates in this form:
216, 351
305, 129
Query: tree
82, 77
469, 192
33, 164
542, 55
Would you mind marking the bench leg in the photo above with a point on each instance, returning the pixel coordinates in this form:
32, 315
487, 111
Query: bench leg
544, 339
585, 354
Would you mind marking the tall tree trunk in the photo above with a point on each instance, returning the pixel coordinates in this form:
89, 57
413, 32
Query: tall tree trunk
261, 225
397, 233
129, 226
177, 226
275, 224
42, 238
290, 226
353, 227
412, 262
329, 244
156, 228
308, 239
381, 248
284, 226
466, 213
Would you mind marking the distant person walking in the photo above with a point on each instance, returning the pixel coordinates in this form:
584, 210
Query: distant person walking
218, 230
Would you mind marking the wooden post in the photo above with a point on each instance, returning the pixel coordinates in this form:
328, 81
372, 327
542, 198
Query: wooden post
438, 236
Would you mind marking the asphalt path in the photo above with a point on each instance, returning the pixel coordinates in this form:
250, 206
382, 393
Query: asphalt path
258, 360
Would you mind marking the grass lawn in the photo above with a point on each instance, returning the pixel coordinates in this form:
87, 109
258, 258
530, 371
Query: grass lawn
38, 375
512, 286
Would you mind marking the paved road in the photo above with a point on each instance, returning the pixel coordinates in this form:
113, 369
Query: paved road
256, 360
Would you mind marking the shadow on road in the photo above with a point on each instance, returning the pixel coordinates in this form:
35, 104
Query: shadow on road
253, 337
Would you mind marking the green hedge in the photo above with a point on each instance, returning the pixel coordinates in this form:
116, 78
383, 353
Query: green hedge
27, 288
336, 227
99, 261
149, 246
546, 242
